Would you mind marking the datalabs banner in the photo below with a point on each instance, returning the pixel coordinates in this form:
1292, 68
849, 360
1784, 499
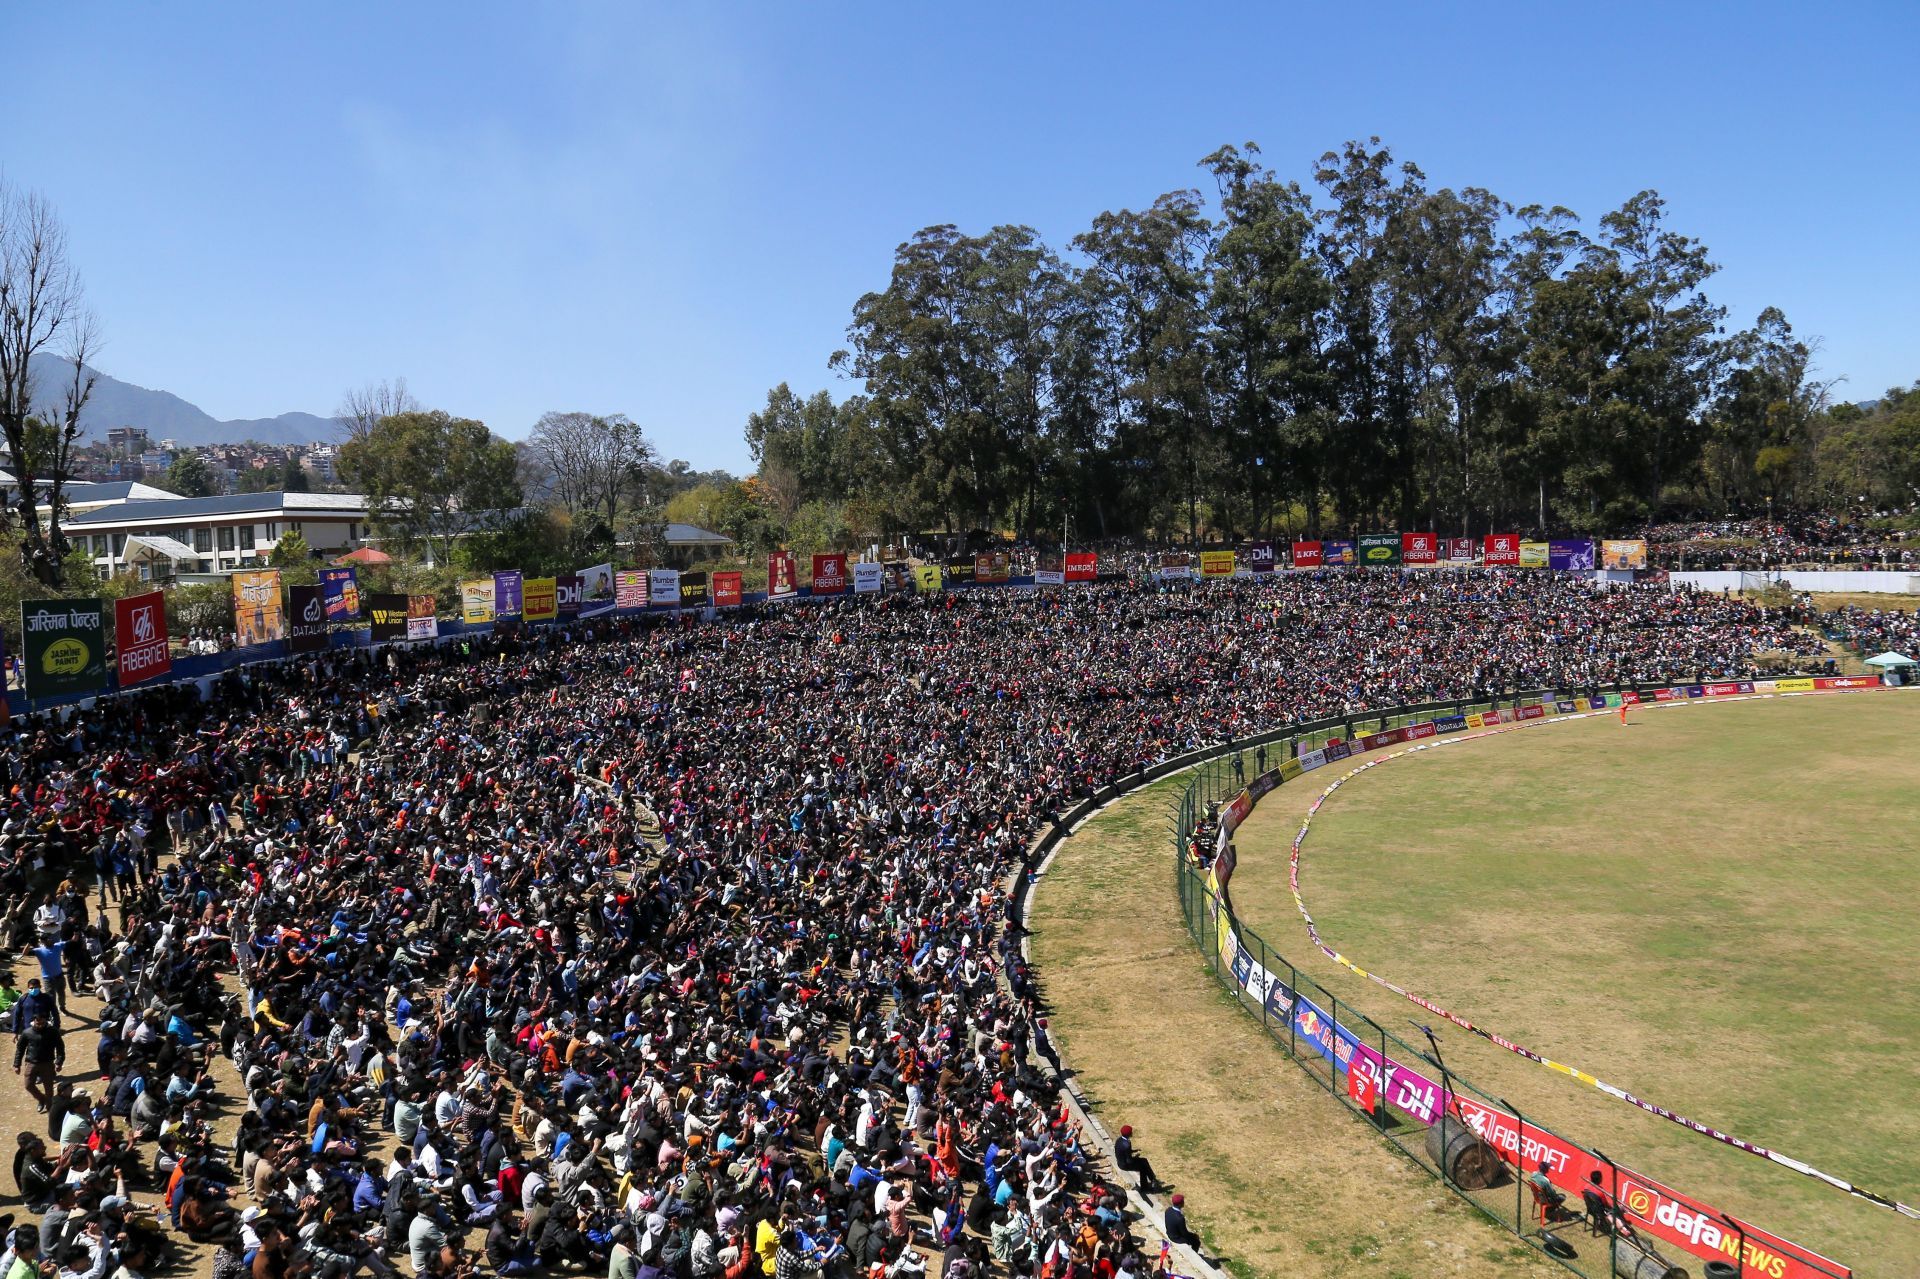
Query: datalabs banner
306, 619
830, 575
140, 633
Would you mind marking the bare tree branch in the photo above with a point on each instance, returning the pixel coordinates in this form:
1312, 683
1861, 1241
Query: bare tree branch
361, 408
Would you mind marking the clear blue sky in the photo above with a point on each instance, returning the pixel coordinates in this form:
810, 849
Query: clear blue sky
665, 211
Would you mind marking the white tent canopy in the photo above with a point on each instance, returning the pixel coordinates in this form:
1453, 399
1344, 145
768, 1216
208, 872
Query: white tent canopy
1891, 658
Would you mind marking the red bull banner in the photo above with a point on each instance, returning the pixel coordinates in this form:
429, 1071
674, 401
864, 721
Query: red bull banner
1307, 555
140, 632
726, 590
1419, 548
1082, 566
830, 575
1501, 548
783, 576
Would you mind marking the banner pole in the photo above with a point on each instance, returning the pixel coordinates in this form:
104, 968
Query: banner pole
1333, 1045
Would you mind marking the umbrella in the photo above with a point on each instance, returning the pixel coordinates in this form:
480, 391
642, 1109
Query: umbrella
1891, 659
365, 555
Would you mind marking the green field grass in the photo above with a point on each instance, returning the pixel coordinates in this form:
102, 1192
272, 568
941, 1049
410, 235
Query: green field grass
1714, 907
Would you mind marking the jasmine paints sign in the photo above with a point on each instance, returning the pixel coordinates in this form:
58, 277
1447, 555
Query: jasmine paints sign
66, 646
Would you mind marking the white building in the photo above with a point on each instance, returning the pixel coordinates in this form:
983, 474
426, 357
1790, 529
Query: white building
233, 531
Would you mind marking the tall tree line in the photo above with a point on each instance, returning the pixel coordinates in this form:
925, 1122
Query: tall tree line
1269, 357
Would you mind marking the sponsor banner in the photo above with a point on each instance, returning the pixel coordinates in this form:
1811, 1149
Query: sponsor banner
257, 614
1258, 557
1623, 554
476, 601
1379, 550
421, 623
1217, 564
1847, 681
1082, 566
1713, 1236
340, 587
539, 597
1459, 550
1314, 1028
1793, 685
1501, 548
1527, 712
1309, 760
1726, 690
693, 590
389, 616
1407, 1091
958, 568
992, 567
1175, 566
830, 575
1051, 569
1449, 723
726, 590
1262, 786
663, 587
1567, 706
1669, 694
867, 576
66, 646
1570, 555
306, 619
1476, 720
1581, 704
783, 576
1419, 548
1534, 554
1307, 555
1374, 741
1337, 750
1425, 728
1629, 698
1338, 554
1696, 690
596, 590
630, 588
926, 577
1235, 811
1292, 768
568, 591
508, 600
140, 633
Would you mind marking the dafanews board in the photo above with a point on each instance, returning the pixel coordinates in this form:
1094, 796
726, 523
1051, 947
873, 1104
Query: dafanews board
66, 646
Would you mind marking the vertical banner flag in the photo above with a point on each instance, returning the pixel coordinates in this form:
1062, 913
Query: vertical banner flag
66, 646
257, 615
830, 575
140, 633
1338, 554
340, 587
1533, 555
1082, 566
1051, 570
958, 568
1175, 566
1419, 548
1502, 548
1571, 555
306, 619
726, 590
1459, 550
508, 600
389, 615
693, 590
926, 577
476, 601
1216, 564
1259, 557
596, 590
567, 594
539, 599
783, 576
1307, 555
1379, 550
663, 587
630, 588
866, 578
421, 623
1630, 553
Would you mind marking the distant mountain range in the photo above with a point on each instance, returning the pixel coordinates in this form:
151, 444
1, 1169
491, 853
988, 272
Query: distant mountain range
167, 416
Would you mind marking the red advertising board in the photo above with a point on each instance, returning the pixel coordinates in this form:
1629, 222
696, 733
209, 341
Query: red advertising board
1419, 548
1306, 555
1082, 566
140, 631
1847, 681
829, 574
1502, 548
726, 589
783, 576
1459, 550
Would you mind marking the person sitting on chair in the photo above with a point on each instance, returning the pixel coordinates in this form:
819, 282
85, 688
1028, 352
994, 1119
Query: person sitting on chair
1547, 1194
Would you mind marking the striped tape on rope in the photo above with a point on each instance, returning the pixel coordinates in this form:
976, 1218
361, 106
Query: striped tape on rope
1521, 1050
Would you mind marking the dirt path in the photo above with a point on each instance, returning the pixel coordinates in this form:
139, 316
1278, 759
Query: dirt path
1280, 1178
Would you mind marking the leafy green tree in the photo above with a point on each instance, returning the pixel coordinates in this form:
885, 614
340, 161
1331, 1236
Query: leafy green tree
295, 560
189, 475
431, 478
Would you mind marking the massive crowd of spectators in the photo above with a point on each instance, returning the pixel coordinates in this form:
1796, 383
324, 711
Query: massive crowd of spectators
669, 949
1796, 541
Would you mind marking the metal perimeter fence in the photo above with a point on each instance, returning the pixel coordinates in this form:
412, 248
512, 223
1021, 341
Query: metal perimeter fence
1438, 1122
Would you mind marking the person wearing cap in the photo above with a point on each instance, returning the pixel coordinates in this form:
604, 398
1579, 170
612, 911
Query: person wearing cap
1176, 1223
1128, 1159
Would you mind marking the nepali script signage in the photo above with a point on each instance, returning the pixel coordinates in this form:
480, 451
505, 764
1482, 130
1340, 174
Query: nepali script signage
66, 646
